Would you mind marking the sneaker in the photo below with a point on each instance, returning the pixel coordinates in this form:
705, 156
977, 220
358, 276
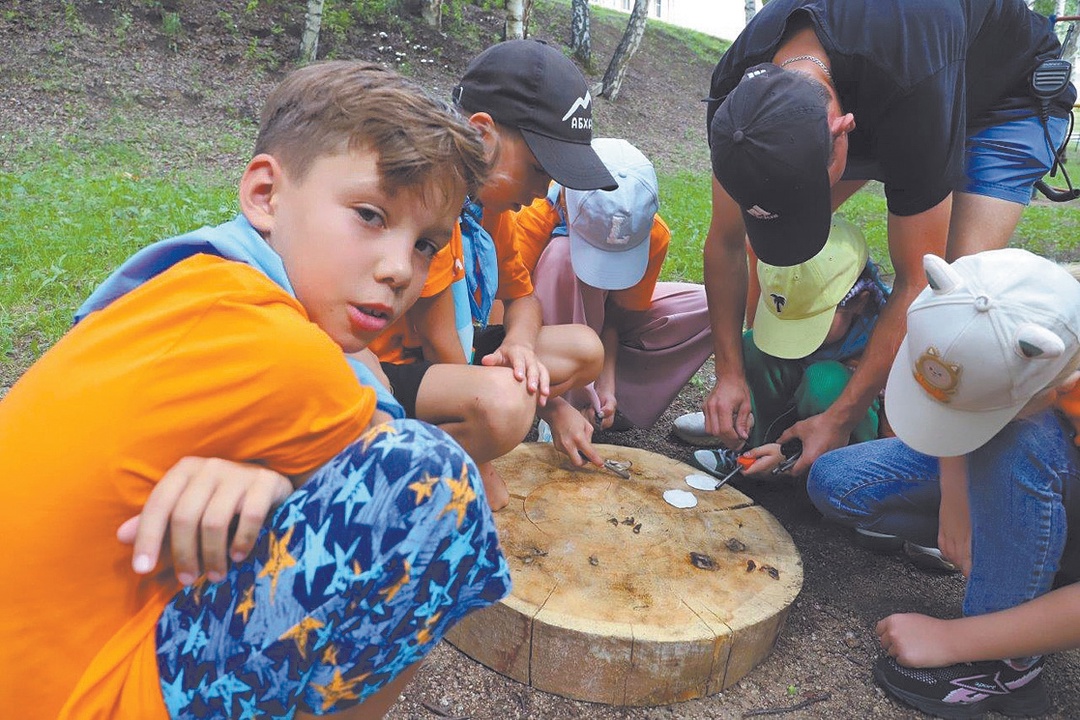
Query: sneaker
877, 542
719, 461
690, 428
967, 690
928, 558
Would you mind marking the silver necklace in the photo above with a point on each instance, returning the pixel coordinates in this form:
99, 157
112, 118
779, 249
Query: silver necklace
811, 58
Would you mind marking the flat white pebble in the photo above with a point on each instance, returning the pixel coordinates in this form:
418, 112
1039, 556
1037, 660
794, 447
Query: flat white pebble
701, 482
680, 498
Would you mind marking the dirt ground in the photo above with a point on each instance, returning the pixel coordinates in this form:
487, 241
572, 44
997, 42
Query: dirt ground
72, 68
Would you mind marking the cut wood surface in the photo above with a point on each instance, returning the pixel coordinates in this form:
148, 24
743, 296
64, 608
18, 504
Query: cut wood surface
621, 598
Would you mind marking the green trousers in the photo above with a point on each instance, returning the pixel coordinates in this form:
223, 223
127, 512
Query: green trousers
782, 392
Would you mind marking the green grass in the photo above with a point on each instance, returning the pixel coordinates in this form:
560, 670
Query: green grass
74, 211
76, 207
1052, 230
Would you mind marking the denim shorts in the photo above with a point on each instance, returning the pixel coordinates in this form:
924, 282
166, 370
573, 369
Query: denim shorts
1004, 161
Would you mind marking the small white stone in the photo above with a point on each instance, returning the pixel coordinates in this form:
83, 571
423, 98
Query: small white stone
701, 482
680, 498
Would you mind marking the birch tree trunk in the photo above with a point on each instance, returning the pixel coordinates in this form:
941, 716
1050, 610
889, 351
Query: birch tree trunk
515, 20
309, 41
750, 8
616, 70
580, 40
431, 11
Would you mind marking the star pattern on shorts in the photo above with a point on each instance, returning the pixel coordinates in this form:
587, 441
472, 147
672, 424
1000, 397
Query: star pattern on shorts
246, 604
299, 633
423, 488
339, 689
279, 559
388, 593
376, 432
461, 494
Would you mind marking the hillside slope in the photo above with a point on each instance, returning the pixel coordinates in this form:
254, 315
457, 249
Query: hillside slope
200, 68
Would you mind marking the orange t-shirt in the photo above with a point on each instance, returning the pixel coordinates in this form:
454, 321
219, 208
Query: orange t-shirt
536, 223
1069, 405
211, 358
400, 342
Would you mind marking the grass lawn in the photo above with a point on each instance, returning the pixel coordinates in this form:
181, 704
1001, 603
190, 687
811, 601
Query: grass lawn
73, 210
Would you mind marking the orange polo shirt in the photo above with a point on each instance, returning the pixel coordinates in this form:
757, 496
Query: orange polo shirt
536, 223
211, 358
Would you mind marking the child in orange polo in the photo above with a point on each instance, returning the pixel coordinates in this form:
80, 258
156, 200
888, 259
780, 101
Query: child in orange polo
227, 343
532, 107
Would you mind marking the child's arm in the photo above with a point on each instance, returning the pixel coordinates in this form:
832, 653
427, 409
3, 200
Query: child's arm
435, 323
1047, 624
522, 321
605, 383
196, 502
954, 516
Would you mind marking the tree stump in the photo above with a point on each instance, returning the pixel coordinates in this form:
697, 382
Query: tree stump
620, 598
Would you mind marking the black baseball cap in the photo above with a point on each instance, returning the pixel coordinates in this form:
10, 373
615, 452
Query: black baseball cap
770, 151
531, 86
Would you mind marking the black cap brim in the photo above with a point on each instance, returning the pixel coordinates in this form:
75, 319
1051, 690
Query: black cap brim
796, 235
572, 165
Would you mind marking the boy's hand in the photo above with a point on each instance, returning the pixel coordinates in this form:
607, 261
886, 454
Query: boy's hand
601, 414
526, 366
766, 457
819, 434
196, 502
915, 640
571, 433
727, 413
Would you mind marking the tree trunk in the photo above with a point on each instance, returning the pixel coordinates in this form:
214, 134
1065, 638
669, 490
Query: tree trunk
309, 41
635, 28
750, 8
431, 11
580, 40
515, 20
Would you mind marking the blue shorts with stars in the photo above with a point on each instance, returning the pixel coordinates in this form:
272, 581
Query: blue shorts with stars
356, 577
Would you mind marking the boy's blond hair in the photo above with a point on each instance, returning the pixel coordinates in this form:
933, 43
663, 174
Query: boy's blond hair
334, 107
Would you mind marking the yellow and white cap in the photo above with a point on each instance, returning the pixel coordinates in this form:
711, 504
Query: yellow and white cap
797, 303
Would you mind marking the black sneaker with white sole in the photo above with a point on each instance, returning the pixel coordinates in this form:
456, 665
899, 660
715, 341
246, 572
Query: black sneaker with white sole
967, 690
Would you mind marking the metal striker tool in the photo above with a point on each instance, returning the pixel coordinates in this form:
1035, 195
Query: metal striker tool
741, 464
622, 469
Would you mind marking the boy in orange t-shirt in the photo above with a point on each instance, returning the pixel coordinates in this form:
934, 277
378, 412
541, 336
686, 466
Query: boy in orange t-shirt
532, 107
203, 384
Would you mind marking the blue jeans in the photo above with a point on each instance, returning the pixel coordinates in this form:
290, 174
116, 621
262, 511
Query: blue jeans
1023, 490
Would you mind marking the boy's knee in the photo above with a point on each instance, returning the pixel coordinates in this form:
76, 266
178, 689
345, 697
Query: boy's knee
588, 351
504, 409
822, 384
827, 487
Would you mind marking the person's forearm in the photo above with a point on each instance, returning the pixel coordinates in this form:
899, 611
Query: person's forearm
522, 321
609, 338
725, 289
435, 322
1049, 623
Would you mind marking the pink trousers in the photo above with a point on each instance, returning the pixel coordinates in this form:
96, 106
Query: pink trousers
659, 349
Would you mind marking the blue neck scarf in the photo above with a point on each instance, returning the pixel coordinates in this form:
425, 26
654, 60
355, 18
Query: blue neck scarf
481, 262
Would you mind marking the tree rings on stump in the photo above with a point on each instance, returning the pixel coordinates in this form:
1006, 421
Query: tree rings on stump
620, 598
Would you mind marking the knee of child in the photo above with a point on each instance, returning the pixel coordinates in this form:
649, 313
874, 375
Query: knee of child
821, 385
589, 351
823, 488
505, 409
